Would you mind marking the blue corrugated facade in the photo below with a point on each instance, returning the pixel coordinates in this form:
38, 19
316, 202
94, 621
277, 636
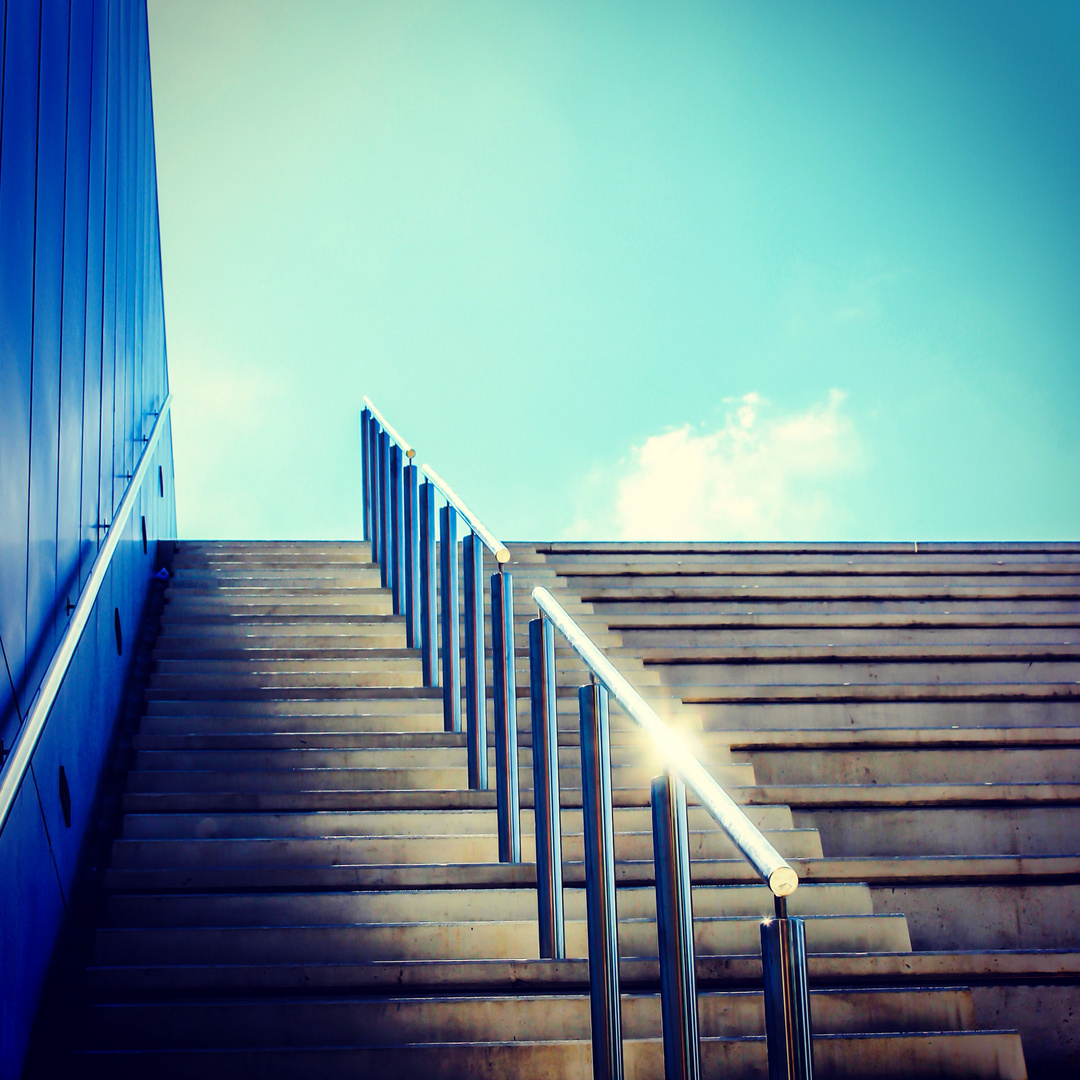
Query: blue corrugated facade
82, 374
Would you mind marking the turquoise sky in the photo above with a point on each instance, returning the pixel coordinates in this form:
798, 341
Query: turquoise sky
701, 270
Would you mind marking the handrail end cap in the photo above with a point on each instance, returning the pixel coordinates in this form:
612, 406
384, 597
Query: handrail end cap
502, 555
783, 881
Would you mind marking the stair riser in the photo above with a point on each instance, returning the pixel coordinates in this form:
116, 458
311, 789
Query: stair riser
944, 831
389, 823
987, 916
881, 766
615, 610
343, 1022
682, 676
302, 778
452, 905
467, 940
622, 756
417, 849
977, 1056
855, 716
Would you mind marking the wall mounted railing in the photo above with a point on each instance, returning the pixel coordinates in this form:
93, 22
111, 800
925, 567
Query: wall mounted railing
22, 751
399, 521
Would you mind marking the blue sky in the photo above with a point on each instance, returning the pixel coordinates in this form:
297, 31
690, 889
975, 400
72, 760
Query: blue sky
687, 270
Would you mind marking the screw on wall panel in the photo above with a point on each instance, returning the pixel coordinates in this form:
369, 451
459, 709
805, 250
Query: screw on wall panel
65, 797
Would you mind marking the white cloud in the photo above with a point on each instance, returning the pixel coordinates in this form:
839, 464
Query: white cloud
757, 477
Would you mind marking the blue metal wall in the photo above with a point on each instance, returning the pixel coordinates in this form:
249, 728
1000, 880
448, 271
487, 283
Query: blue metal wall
82, 371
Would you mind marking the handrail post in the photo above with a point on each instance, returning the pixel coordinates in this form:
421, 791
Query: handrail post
603, 928
365, 470
675, 929
547, 810
412, 557
472, 552
397, 529
374, 444
504, 678
384, 508
787, 997
429, 632
451, 631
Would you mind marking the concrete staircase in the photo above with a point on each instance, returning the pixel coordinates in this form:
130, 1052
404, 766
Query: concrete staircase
303, 883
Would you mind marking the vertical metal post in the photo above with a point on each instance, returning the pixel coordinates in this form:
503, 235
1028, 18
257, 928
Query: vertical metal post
547, 808
397, 529
504, 679
384, 508
451, 631
374, 444
603, 929
675, 929
365, 470
472, 551
412, 557
787, 998
429, 633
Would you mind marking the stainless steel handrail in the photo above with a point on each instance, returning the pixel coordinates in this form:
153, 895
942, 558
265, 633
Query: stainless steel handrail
406, 448
494, 545
26, 742
400, 520
744, 834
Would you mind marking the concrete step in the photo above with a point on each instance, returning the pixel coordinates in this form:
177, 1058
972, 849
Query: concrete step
371, 675
799, 617
366, 942
378, 717
180, 610
884, 673
440, 774
700, 582
976, 1054
917, 766
618, 612
677, 639
875, 691
859, 716
344, 1021
418, 848
345, 675
457, 905
871, 691
325, 691
991, 826
648, 569
926, 651
638, 755
952, 737
361, 728
402, 822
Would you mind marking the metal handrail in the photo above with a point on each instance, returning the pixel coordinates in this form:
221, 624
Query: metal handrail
18, 762
399, 520
406, 448
744, 834
494, 545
